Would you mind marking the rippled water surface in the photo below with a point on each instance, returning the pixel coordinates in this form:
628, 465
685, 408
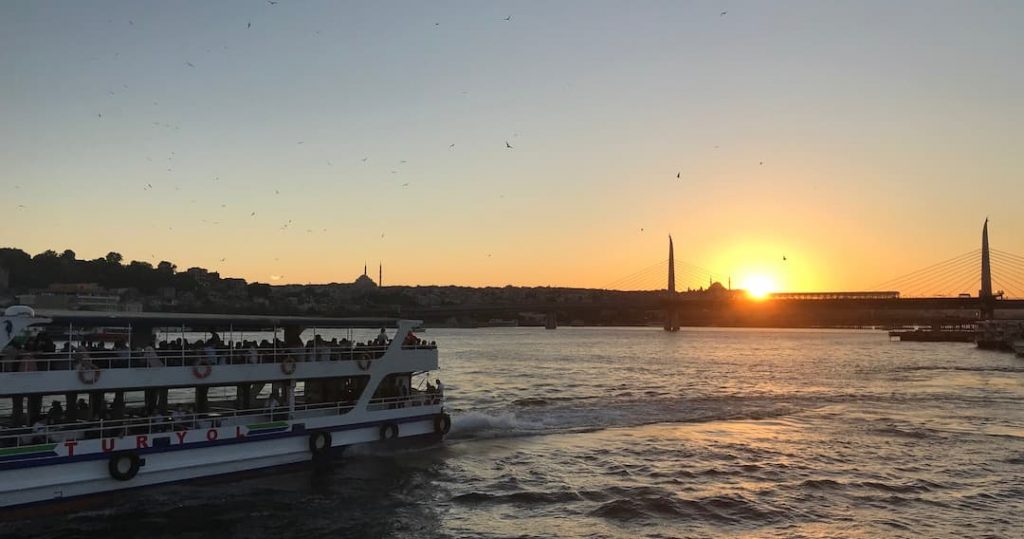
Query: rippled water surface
635, 432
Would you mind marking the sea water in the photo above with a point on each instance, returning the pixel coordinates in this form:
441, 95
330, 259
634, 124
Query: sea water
635, 432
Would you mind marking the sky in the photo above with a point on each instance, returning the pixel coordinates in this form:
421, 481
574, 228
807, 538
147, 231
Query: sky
294, 142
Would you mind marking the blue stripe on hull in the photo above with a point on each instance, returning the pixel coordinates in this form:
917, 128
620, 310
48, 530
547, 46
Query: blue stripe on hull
55, 461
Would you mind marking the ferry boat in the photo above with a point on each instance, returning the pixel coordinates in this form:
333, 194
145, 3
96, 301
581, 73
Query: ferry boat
197, 395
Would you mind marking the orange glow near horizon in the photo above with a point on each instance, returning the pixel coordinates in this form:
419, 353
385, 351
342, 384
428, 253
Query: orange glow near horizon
758, 286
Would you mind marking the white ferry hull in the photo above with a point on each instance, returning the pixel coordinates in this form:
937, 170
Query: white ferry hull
52, 483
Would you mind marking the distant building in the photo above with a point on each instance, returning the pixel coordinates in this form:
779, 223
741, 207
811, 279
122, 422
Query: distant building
364, 282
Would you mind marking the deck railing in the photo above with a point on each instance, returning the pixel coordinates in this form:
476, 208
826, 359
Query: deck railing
164, 423
150, 358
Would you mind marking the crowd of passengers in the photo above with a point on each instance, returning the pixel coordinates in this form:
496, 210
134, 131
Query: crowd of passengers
39, 353
58, 424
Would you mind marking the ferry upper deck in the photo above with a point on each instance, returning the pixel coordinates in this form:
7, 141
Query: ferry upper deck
139, 371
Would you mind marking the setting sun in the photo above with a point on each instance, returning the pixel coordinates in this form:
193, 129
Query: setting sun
759, 286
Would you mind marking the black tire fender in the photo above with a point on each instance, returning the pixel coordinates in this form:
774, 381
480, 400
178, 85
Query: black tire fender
442, 423
388, 431
320, 443
124, 466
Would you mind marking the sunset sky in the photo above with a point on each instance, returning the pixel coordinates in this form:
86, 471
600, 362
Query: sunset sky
861, 140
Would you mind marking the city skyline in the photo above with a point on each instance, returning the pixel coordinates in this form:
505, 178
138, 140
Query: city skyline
291, 143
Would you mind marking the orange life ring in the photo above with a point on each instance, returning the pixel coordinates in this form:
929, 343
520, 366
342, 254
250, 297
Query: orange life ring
88, 372
202, 368
288, 366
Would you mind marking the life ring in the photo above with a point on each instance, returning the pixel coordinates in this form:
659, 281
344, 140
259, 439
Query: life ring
124, 466
364, 361
288, 366
319, 443
442, 423
202, 368
88, 373
388, 431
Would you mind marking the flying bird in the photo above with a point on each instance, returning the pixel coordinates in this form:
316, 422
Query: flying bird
253, 214
761, 163
722, 14
190, 64
451, 146
406, 184
364, 159
507, 145
271, 2
678, 174
783, 258
250, 25
509, 18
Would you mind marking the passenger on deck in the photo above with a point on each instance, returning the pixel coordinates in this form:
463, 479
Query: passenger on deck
56, 413
251, 355
82, 410
209, 351
10, 358
382, 338
39, 431
178, 419
26, 361
121, 354
152, 360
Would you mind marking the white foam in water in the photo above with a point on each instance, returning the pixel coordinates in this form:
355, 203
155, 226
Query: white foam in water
475, 423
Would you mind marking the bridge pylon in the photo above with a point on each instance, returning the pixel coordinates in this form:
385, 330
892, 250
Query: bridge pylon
985, 295
671, 313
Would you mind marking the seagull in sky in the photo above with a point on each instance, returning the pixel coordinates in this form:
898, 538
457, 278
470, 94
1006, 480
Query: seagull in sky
722, 14
783, 258
507, 145
678, 174
250, 25
364, 159
253, 214
406, 184
190, 64
509, 18
271, 2
761, 163
451, 146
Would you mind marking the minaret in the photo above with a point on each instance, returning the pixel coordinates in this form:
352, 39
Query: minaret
985, 294
364, 269
380, 274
